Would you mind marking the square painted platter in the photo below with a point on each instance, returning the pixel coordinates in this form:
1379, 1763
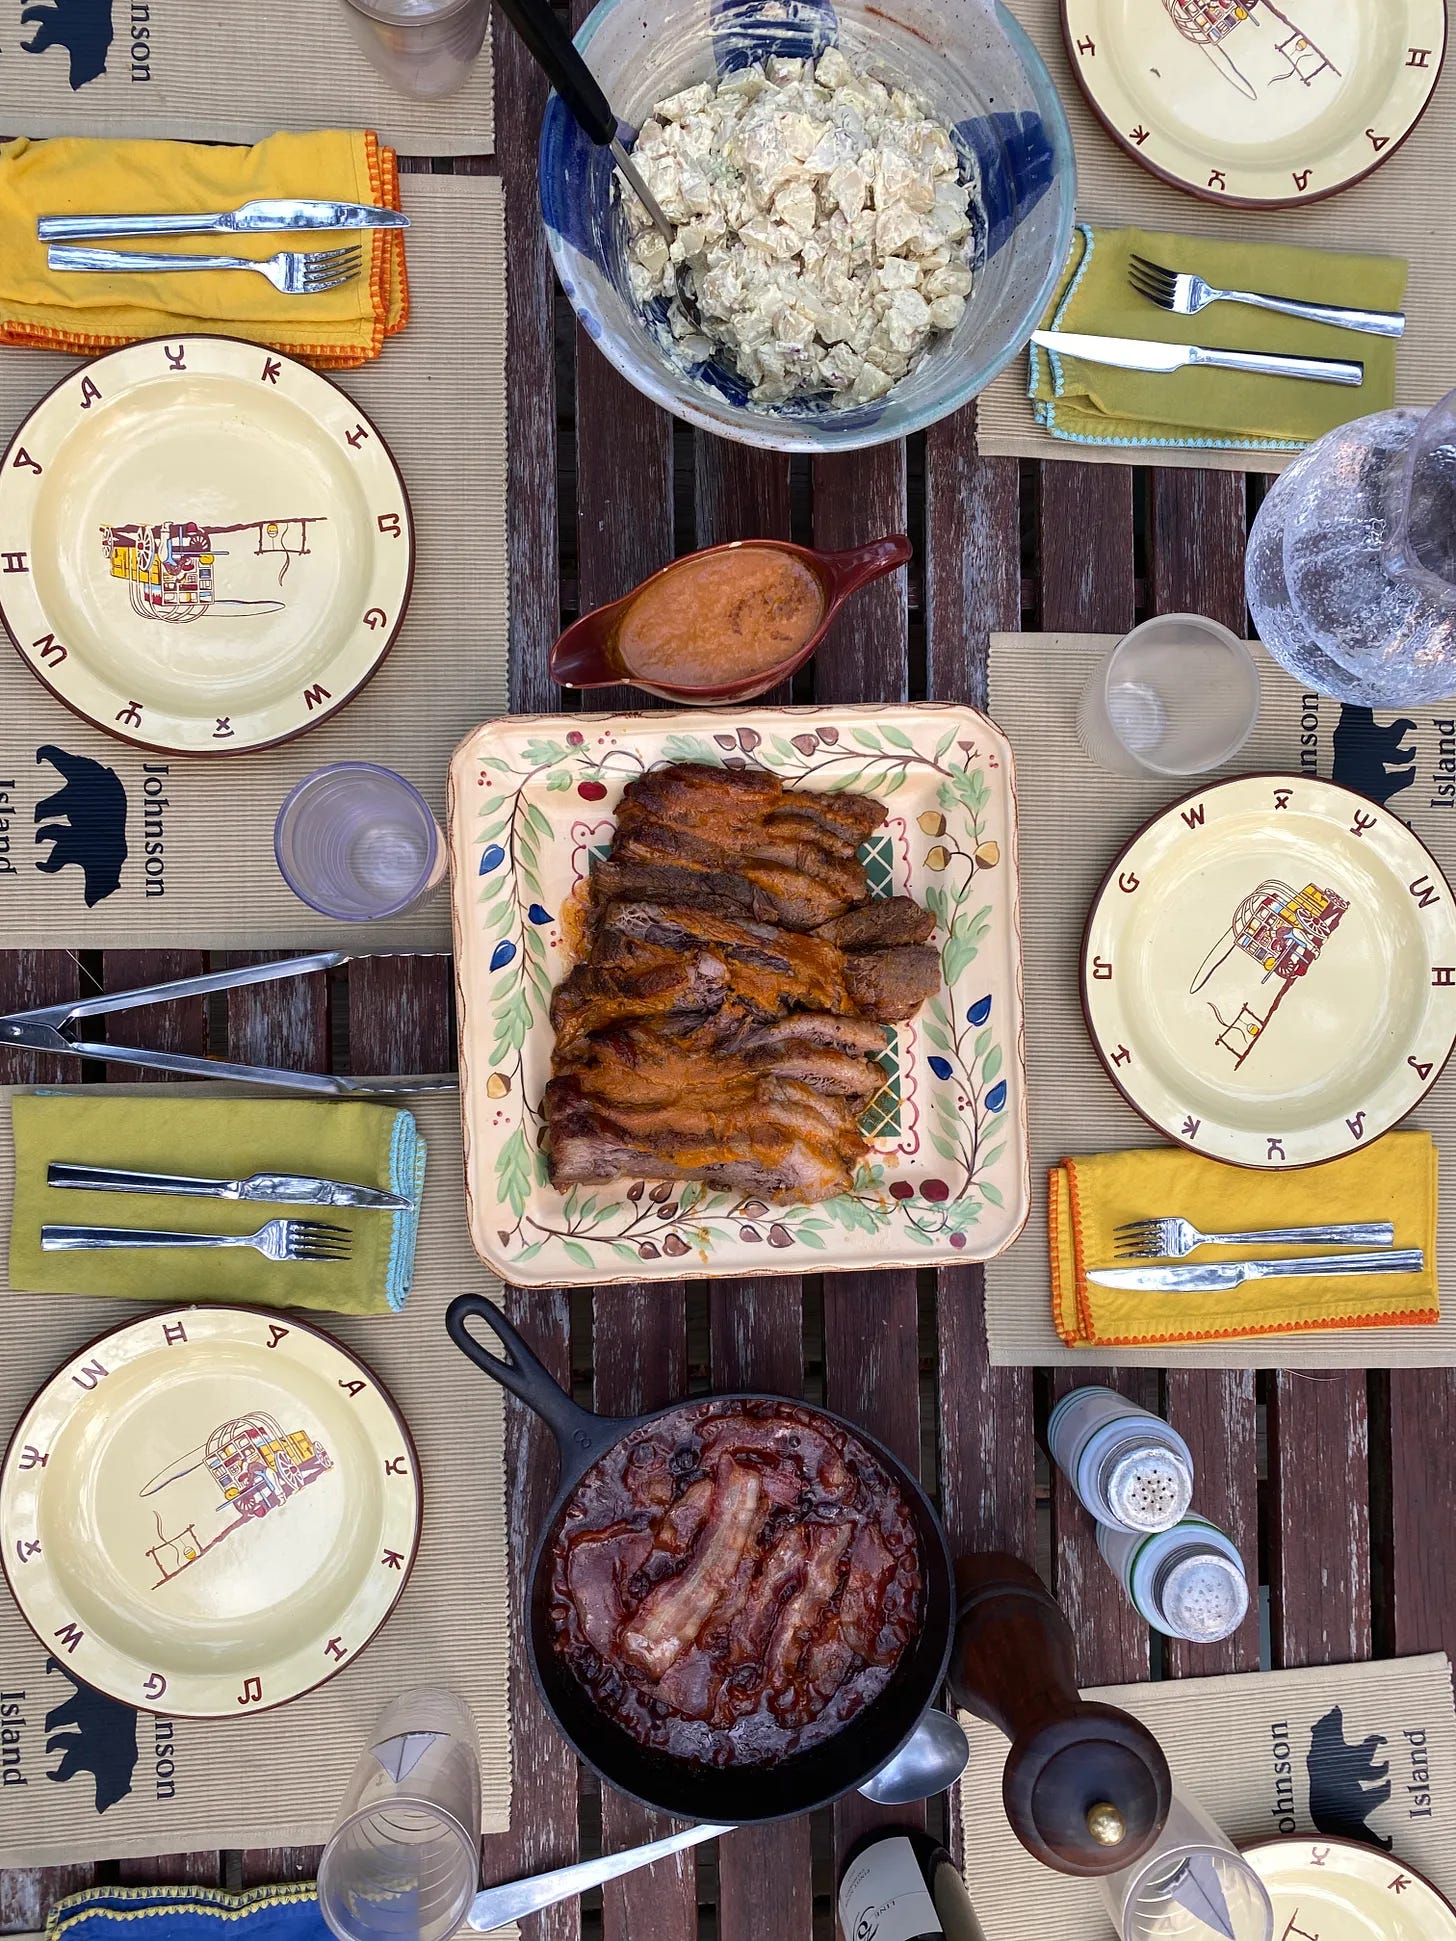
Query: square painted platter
532, 805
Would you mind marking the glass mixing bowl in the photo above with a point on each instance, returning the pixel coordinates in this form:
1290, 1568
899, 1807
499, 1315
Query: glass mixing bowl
980, 76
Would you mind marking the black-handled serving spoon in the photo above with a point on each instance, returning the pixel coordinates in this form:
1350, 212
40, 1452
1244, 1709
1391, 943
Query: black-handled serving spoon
554, 52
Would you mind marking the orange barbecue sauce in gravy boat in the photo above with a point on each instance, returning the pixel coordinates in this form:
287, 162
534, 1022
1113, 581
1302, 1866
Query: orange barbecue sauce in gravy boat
720, 617
723, 625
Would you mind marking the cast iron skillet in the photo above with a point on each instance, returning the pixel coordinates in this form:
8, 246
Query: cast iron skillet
742, 1794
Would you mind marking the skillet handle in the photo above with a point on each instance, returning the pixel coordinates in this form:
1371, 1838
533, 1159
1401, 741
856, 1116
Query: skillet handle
580, 1436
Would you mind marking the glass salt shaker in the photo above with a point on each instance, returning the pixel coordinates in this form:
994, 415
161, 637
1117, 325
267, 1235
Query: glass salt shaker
1187, 1582
1129, 1468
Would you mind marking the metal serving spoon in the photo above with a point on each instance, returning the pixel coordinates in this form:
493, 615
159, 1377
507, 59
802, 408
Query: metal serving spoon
932, 1759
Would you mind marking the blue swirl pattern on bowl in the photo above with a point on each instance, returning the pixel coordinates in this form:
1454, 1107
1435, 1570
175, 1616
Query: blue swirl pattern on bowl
981, 77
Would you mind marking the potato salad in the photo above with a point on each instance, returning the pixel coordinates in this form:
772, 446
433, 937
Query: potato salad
821, 220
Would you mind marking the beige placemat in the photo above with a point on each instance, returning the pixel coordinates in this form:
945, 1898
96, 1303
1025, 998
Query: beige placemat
1266, 1753
101, 1782
199, 868
199, 72
1073, 818
1398, 211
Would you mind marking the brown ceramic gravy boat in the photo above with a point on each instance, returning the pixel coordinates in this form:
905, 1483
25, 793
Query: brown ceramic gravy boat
584, 656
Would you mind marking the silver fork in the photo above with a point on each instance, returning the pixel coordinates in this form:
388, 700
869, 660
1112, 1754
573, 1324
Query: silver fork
277, 1240
1170, 1239
1187, 294
296, 272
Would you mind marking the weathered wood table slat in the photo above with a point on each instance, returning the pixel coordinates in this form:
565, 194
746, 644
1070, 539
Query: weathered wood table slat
1336, 1486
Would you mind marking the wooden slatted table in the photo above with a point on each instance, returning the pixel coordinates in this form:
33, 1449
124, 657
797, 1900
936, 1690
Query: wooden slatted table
1337, 1487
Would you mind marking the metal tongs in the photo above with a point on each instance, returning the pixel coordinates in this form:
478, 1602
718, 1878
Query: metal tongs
45, 1030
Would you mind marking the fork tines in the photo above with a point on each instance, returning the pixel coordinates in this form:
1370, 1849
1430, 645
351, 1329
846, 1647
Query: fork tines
325, 269
312, 1240
1151, 280
1138, 1238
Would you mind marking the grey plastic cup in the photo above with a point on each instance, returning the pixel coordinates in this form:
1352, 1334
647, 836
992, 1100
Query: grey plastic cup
1179, 695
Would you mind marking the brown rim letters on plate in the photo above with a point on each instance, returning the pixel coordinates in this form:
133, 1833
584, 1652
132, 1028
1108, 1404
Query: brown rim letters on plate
209, 1511
1269, 971
1346, 1890
206, 548
1253, 103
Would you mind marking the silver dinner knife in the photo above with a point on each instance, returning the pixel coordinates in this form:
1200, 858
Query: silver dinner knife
1217, 1275
253, 218
1136, 354
514, 1899
293, 1189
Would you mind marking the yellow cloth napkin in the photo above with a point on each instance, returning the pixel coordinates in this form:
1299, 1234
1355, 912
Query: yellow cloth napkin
218, 1138
1098, 404
86, 313
1393, 1179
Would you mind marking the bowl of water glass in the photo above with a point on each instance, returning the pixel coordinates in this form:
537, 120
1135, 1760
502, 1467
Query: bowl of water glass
357, 842
978, 75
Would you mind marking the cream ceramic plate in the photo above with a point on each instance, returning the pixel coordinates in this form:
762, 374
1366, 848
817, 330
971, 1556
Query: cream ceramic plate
1269, 971
1340, 1890
531, 803
1250, 102
205, 547
209, 1511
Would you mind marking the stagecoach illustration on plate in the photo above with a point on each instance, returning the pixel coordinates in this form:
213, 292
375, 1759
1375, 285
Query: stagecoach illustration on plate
253, 1464
1283, 930
170, 569
1256, 32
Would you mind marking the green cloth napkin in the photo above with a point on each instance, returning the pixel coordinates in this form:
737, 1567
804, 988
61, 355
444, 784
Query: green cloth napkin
1096, 404
217, 1138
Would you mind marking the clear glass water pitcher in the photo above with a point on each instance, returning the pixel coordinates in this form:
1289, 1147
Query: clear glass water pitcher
1351, 566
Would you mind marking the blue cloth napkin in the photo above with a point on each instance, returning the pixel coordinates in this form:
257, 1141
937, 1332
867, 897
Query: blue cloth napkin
289, 1912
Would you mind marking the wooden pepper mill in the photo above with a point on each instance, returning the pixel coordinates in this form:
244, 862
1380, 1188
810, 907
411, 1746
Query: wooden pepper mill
1086, 1786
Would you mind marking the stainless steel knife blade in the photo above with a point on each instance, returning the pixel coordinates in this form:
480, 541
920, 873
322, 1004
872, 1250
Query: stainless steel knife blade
299, 1190
293, 1189
261, 216
1141, 354
1127, 353
1202, 1277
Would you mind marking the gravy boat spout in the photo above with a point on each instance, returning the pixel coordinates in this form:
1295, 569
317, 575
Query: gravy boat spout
586, 655
580, 657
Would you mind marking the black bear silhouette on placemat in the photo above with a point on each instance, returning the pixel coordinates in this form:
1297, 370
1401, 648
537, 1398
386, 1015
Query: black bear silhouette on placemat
1370, 756
1345, 1784
93, 1734
82, 27
84, 821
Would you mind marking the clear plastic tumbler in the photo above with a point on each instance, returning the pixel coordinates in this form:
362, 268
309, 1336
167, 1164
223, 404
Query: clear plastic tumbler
1191, 1885
425, 47
1179, 695
358, 842
403, 1861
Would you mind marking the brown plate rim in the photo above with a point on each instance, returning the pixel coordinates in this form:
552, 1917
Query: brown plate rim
109, 728
305, 1327
1255, 775
1344, 1845
1131, 149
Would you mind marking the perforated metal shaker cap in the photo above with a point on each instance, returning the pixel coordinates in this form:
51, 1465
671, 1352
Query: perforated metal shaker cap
1202, 1595
1146, 1485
